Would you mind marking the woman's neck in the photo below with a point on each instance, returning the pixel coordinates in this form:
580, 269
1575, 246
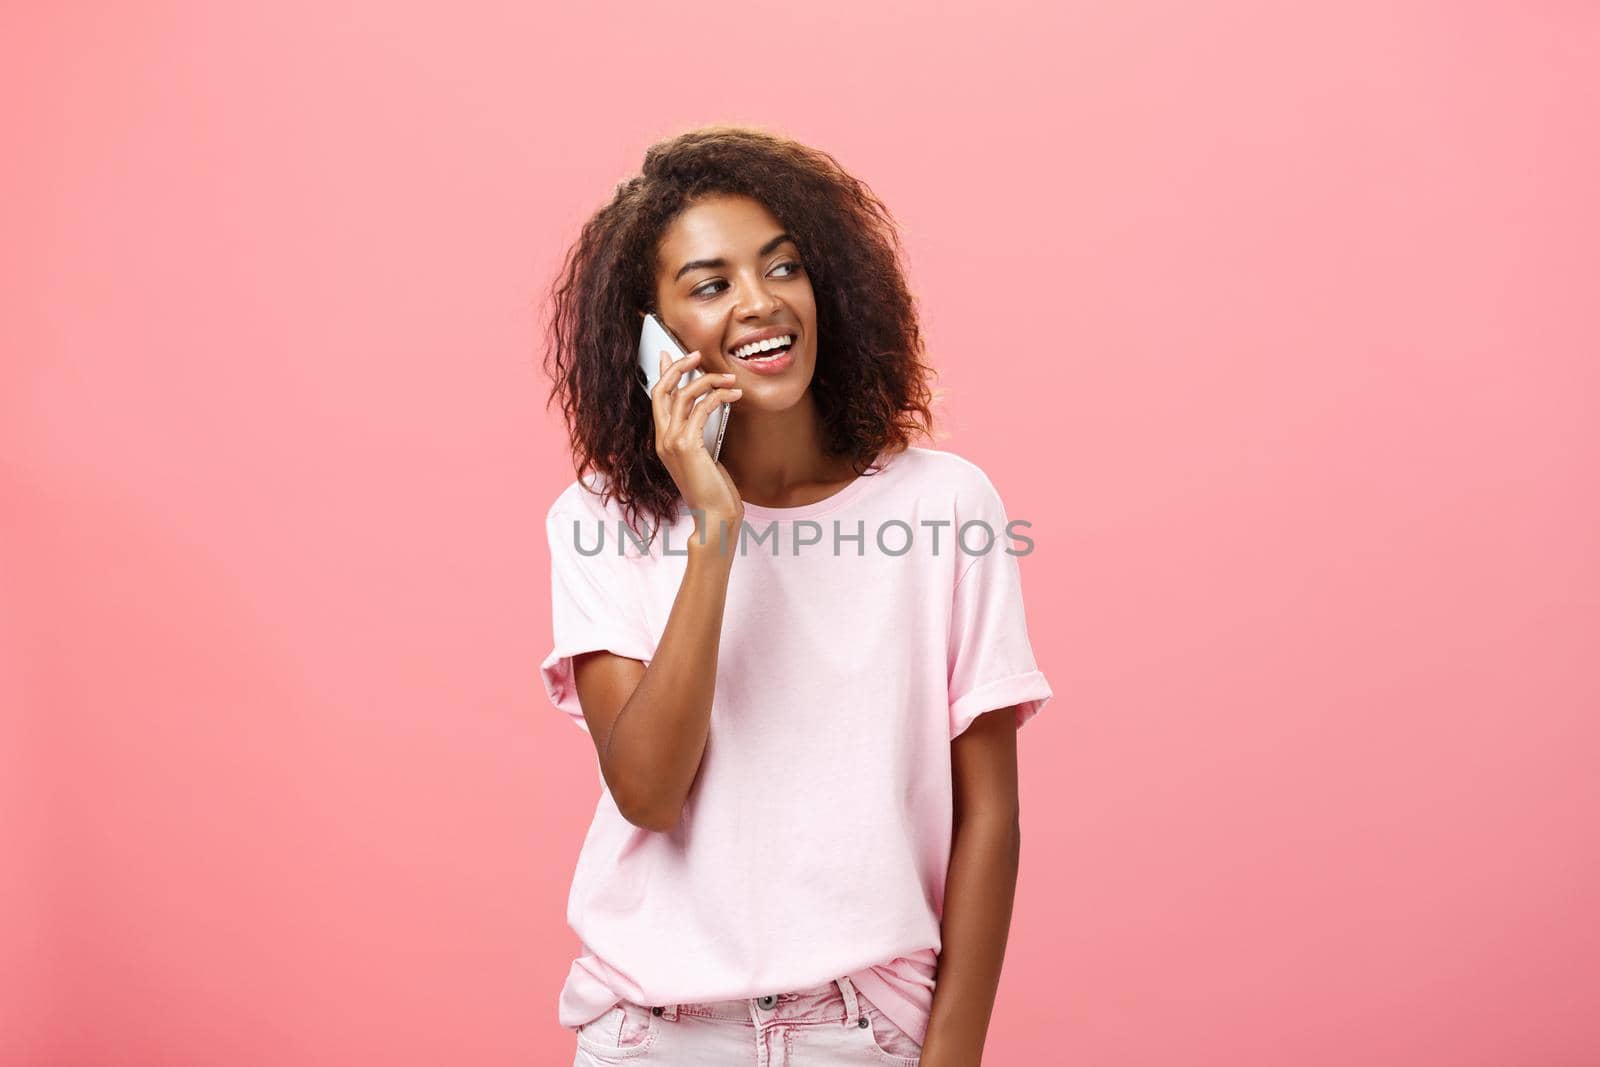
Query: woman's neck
775, 457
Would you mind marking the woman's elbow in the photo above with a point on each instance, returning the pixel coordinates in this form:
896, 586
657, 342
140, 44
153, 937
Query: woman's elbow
649, 813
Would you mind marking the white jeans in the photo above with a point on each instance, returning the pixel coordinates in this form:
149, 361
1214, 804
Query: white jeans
827, 1024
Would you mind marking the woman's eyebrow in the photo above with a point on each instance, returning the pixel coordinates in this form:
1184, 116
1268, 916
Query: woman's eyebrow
697, 264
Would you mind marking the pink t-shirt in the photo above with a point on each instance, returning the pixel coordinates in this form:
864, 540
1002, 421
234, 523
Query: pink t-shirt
815, 841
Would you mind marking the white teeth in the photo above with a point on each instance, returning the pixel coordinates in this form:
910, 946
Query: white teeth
762, 346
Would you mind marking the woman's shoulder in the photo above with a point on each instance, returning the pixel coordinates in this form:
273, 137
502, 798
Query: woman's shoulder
585, 498
585, 505
944, 471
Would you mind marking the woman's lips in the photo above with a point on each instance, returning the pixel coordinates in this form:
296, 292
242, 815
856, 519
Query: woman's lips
771, 366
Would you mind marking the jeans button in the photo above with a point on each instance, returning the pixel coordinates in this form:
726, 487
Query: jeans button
767, 1002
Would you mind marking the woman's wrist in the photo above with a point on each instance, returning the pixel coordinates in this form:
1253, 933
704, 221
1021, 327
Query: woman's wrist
715, 535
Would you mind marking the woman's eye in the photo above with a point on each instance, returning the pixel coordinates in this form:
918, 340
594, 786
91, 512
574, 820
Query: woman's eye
706, 290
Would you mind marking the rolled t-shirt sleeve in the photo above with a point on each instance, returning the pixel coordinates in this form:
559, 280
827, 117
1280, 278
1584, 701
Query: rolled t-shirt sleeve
594, 604
990, 655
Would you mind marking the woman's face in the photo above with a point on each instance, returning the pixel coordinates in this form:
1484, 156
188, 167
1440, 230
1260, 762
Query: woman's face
725, 273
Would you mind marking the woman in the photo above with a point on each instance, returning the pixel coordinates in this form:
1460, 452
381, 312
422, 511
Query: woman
807, 839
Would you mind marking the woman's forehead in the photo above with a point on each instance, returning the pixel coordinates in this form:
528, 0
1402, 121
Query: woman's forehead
724, 225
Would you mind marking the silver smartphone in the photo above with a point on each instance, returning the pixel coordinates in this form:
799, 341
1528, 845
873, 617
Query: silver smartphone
654, 337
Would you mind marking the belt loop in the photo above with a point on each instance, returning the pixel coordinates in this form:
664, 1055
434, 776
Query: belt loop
852, 1010
668, 1012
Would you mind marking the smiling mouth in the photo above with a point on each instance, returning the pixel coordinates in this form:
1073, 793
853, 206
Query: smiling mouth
764, 355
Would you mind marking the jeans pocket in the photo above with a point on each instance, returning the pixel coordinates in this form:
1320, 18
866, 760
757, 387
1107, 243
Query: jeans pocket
625, 1031
888, 1038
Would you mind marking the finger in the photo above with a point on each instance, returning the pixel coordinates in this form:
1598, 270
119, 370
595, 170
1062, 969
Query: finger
702, 411
670, 376
661, 394
667, 376
684, 399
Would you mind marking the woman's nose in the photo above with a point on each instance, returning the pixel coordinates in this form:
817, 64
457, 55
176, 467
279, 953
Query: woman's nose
756, 300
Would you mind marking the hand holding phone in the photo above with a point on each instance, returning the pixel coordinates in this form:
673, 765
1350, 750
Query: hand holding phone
691, 411
654, 338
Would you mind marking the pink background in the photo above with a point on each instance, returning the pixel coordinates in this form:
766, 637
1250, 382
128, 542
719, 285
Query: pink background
1277, 322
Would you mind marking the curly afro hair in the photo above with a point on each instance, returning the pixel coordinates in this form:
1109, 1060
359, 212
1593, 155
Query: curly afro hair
871, 384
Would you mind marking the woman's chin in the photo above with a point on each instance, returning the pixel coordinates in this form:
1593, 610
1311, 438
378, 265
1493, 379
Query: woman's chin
774, 399
772, 394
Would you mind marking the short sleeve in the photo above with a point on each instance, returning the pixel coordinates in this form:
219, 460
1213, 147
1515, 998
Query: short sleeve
991, 656
594, 603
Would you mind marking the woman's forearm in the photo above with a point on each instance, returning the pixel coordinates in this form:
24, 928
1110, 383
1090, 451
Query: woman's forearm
659, 736
979, 891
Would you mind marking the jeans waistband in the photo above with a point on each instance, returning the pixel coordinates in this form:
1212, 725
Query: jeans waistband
834, 1002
